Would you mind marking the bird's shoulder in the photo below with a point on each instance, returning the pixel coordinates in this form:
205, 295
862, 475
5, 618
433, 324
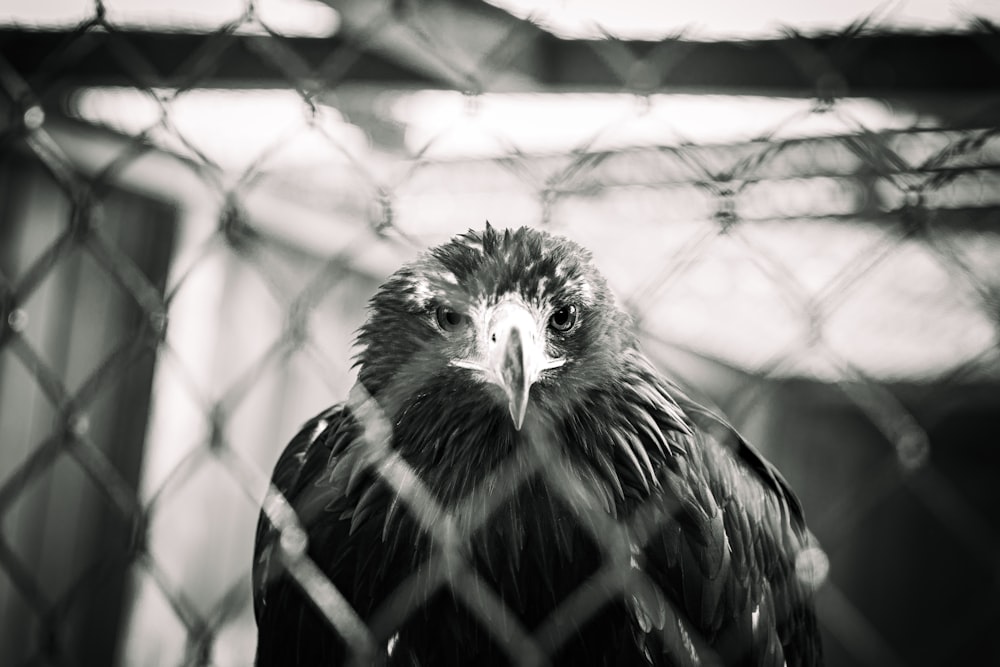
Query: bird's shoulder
721, 530
709, 447
301, 480
321, 443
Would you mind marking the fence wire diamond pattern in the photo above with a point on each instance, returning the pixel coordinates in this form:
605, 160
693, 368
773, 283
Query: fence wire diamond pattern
191, 230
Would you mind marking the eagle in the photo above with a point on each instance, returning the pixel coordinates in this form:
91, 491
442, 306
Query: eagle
512, 482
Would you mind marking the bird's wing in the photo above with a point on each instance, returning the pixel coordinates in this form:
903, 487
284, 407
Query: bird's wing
709, 422
309, 478
726, 532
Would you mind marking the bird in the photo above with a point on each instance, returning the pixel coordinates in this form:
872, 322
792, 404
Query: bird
511, 481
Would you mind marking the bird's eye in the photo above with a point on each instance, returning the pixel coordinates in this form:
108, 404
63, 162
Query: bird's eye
564, 318
450, 319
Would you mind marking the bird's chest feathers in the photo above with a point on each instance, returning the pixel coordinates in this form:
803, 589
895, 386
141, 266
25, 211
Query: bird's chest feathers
516, 509
534, 550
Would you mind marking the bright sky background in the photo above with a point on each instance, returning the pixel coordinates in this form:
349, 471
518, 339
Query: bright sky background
234, 127
721, 19
305, 18
632, 19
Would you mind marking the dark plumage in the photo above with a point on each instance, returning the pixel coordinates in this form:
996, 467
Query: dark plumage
501, 356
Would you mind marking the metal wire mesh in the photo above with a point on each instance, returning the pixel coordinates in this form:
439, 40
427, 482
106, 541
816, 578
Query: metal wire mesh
178, 296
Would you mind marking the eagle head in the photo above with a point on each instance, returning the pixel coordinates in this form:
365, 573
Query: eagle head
522, 317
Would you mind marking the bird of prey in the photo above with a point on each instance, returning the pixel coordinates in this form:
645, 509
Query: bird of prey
512, 481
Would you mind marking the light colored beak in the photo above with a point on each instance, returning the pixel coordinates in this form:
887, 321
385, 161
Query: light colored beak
515, 356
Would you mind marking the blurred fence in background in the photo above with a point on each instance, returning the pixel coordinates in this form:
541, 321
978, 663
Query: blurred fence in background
805, 227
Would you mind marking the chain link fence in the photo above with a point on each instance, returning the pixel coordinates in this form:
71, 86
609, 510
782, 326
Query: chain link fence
804, 229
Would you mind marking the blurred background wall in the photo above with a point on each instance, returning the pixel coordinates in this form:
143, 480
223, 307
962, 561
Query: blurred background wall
798, 205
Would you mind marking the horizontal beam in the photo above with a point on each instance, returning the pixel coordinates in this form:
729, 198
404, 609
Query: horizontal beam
867, 65
881, 65
70, 59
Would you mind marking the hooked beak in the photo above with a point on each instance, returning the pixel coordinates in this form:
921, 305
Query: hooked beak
515, 357
512, 356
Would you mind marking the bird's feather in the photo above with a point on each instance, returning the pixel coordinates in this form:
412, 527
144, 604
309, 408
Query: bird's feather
712, 528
